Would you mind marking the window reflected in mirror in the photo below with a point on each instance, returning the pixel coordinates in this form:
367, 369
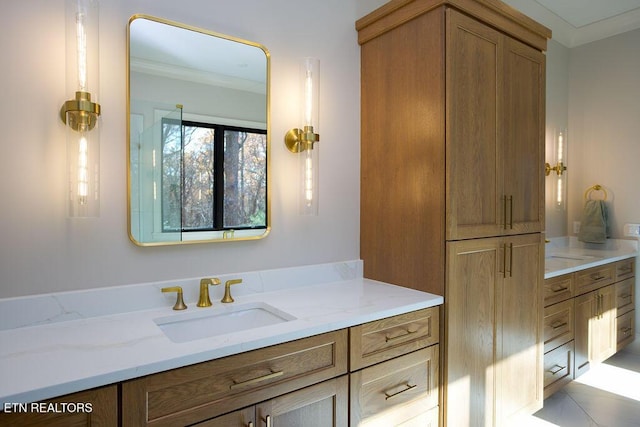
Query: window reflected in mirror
213, 177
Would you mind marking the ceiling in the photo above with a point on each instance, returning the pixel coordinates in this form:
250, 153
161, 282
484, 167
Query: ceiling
576, 22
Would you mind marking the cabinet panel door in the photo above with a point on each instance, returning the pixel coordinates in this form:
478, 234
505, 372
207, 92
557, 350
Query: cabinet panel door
474, 269
602, 342
519, 337
322, 405
473, 154
585, 314
524, 116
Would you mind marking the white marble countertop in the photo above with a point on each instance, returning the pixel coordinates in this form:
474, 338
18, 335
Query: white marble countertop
71, 351
565, 255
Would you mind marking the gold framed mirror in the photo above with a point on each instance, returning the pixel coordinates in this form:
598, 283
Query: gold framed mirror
198, 135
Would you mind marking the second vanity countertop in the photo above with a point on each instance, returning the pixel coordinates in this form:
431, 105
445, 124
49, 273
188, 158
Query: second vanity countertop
566, 255
52, 359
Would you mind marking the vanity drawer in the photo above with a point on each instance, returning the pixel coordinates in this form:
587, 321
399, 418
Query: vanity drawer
625, 268
594, 278
199, 392
558, 368
625, 296
385, 339
385, 390
625, 327
558, 324
558, 289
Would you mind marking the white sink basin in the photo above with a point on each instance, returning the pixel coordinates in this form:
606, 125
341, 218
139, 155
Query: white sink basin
220, 320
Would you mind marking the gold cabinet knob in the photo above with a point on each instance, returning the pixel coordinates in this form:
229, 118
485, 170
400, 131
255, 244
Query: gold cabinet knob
204, 300
227, 290
179, 305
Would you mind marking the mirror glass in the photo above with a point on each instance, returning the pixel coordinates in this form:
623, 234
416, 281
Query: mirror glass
198, 140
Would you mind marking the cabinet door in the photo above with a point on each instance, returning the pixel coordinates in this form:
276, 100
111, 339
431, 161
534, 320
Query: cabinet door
474, 267
523, 135
602, 338
595, 336
322, 405
473, 150
585, 313
493, 305
519, 339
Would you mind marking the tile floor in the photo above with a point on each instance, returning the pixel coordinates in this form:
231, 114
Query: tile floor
608, 395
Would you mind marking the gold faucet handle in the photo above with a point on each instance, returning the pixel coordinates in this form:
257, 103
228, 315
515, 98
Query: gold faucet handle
179, 305
227, 290
204, 300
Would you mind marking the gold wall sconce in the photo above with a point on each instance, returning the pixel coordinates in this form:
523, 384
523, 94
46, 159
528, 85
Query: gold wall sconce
81, 113
560, 150
560, 155
304, 140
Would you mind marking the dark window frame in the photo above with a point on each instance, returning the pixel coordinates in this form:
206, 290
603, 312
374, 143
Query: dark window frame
218, 173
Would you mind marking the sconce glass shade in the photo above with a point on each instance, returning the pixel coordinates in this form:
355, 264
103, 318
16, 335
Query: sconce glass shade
304, 141
560, 142
310, 79
81, 113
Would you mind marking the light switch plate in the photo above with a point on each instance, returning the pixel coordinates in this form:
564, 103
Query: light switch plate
576, 227
632, 230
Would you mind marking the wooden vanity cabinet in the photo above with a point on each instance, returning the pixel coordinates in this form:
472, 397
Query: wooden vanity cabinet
306, 382
559, 332
394, 364
625, 303
199, 392
590, 327
103, 412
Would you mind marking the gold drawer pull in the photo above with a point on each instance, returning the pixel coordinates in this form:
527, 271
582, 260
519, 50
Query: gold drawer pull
624, 269
557, 369
557, 325
256, 380
596, 276
408, 387
558, 288
406, 334
626, 330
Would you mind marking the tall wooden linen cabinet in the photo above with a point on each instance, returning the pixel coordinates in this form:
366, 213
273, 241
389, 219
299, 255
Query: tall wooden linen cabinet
452, 188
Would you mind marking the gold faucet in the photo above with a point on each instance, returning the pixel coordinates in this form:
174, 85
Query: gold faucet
204, 300
179, 305
227, 290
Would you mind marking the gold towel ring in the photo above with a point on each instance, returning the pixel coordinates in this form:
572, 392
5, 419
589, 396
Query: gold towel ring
596, 187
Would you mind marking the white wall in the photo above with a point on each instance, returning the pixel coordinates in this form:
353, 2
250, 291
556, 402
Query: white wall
604, 126
43, 251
